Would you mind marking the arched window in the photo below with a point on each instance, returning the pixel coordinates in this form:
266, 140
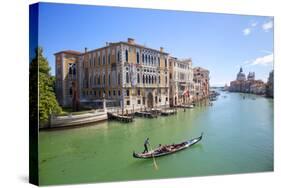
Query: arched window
99, 60
126, 55
146, 79
152, 79
70, 70
159, 79
108, 62
143, 79
159, 61
109, 79
145, 58
138, 78
127, 77
142, 58
138, 58
104, 79
70, 91
149, 79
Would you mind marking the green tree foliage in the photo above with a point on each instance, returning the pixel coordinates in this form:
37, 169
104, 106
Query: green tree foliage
47, 101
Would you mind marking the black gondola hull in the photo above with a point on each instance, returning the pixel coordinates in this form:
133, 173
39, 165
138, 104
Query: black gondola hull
155, 154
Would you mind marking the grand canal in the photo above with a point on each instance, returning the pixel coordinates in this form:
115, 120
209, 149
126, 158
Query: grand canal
238, 138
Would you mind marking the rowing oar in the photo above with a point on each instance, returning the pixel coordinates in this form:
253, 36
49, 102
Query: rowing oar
154, 161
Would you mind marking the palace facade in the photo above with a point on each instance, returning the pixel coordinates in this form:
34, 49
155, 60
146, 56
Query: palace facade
127, 75
124, 73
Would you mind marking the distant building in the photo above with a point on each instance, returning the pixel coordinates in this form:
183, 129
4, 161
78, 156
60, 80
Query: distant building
251, 76
241, 76
270, 85
201, 83
225, 88
247, 86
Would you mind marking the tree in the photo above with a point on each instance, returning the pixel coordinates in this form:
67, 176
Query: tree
40, 77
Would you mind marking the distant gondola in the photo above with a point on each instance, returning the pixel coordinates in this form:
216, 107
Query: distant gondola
168, 149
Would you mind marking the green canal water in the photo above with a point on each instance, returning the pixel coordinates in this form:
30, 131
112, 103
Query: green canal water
238, 138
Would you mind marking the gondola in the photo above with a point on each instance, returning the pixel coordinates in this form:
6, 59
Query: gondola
168, 149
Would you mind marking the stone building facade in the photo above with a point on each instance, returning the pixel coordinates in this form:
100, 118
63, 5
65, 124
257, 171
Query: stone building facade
66, 77
201, 83
181, 81
126, 74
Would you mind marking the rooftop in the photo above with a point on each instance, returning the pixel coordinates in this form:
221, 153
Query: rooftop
69, 52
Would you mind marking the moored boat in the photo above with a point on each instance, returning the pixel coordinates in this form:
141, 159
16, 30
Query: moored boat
168, 149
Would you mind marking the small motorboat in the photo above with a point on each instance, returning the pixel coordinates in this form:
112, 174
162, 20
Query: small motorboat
168, 149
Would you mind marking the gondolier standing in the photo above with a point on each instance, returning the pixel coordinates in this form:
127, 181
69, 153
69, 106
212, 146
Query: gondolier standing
146, 143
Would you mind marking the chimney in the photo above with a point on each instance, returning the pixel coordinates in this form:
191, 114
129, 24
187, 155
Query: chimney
131, 41
86, 49
161, 49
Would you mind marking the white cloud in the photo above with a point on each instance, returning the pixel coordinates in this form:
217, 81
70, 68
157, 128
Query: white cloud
247, 31
267, 26
254, 24
264, 60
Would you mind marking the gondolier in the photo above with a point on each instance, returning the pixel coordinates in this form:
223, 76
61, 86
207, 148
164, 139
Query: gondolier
166, 149
146, 143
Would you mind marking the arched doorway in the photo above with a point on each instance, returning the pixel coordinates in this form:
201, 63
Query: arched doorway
150, 100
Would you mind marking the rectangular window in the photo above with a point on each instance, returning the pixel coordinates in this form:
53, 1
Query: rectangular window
139, 101
138, 92
128, 102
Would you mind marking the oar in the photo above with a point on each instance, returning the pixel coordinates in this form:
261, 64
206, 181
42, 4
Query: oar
154, 161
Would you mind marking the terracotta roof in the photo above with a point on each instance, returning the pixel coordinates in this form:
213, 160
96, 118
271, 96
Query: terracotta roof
69, 52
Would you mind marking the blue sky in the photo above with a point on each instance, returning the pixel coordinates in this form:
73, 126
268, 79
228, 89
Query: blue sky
219, 42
